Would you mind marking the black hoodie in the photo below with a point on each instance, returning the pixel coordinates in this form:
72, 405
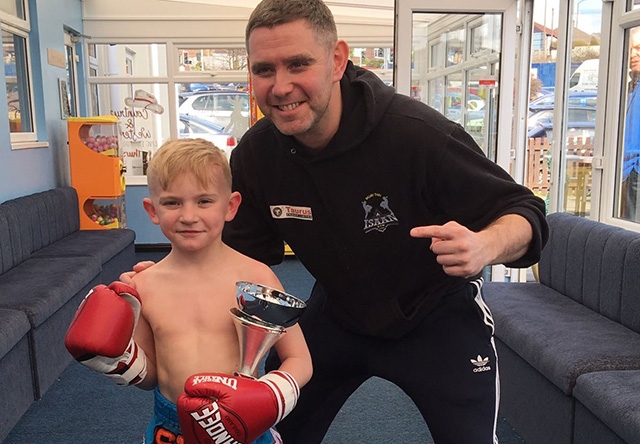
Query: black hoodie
346, 211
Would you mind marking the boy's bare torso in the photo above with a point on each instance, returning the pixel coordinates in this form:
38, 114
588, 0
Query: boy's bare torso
187, 308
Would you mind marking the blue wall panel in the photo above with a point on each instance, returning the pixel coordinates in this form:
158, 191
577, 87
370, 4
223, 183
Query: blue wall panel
28, 171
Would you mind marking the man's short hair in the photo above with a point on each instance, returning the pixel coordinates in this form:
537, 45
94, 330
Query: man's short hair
270, 13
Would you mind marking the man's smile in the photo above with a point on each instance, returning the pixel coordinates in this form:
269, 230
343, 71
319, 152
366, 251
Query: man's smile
288, 107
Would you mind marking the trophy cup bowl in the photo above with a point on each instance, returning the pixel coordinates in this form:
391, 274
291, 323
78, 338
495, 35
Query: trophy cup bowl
268, 304
260, 319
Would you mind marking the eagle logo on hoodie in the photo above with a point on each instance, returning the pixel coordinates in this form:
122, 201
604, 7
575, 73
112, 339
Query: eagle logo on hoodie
377, 213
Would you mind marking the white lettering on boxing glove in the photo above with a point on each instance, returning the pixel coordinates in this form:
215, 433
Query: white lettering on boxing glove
244, 407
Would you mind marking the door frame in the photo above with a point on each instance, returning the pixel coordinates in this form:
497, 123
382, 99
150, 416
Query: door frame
510, 126
402, 62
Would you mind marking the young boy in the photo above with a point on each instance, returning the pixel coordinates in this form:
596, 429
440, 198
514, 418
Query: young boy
185, 325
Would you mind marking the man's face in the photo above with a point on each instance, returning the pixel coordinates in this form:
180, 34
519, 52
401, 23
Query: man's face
295, 81
634, 60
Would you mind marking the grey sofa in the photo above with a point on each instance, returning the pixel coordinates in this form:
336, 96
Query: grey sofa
569, 346
47, 266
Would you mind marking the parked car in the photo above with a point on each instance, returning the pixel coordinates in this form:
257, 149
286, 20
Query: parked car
196, 87
193, 126
475, 107
216, 106
587, 98
581, 122
183, 96
196, 127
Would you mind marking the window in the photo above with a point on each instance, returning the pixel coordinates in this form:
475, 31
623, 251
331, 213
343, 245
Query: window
15, 47
565, 133
128, 63
455, 47
93, 88
18, 78
164, 89
209, 59
437, 55
13, 7
71, 70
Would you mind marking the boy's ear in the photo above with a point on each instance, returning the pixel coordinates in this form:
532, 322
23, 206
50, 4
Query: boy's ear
234, 204
147, 203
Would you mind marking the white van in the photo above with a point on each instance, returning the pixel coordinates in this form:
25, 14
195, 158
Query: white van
585, 77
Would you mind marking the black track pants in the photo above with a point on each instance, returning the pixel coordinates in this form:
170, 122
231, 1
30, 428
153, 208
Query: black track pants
447, 366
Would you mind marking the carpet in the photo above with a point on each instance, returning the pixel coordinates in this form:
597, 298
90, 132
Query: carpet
84, 407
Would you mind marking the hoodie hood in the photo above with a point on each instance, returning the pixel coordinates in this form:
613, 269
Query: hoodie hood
365, 99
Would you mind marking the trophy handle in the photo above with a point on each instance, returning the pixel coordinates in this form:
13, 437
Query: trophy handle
256, 338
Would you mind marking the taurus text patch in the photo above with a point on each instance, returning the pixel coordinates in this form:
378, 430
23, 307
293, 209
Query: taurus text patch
291, 212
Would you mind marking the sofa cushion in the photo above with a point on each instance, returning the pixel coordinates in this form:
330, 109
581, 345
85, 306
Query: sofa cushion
614, 398
595, 264
559, 337
48, 215
61, 215
14, 325
39, 287
16, 384
102, 243
15, 238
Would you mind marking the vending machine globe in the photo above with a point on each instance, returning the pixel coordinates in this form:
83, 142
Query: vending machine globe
97, 171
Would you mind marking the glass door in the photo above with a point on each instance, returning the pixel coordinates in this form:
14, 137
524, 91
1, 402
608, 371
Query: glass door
453, 58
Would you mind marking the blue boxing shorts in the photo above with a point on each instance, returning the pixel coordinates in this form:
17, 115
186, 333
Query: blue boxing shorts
164, 427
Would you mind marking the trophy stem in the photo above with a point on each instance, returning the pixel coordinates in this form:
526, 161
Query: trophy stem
256, 338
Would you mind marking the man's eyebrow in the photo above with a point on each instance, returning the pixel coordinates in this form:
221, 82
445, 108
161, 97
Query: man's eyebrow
255, 67
300, 58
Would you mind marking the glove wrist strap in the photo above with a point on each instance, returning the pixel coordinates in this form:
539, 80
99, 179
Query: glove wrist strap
286, 390
128, 369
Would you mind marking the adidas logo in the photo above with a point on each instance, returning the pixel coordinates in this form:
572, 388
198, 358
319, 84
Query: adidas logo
480, 364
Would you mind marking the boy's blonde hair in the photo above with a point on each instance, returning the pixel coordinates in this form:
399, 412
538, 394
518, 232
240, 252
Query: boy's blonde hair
197, 156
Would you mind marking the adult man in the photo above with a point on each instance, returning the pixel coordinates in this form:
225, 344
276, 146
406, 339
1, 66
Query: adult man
631, 161
393, 209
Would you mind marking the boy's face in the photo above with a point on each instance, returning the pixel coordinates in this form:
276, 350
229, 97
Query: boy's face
192, 216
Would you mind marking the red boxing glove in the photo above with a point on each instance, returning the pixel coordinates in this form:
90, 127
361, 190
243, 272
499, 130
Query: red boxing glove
101, 333
216, 407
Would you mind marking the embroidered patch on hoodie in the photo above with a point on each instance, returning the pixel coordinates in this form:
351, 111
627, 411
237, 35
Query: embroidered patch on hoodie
377, 213
290, 212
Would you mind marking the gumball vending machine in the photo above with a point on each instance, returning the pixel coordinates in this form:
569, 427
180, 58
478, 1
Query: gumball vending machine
97, 171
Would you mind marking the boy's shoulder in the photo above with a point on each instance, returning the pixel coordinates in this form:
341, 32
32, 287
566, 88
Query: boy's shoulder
255, 270
150, 274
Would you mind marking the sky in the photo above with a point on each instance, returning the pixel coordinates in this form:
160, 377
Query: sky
587, 14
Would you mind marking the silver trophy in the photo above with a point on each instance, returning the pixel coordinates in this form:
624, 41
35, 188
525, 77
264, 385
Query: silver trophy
262, 315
